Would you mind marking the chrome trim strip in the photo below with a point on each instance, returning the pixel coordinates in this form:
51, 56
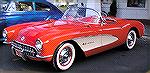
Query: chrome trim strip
125, 25
42, 57
116, 28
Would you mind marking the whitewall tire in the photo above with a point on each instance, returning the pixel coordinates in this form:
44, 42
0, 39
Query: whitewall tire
131, 39
64, 56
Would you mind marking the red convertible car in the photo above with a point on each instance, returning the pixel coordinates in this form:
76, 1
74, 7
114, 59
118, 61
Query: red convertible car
80, 30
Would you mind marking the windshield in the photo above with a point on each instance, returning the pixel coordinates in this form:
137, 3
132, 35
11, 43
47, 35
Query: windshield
82, 15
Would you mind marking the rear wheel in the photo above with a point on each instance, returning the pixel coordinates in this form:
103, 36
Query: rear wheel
130, 40
64, 56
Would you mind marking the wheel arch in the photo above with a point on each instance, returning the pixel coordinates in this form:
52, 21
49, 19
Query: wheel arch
136, 31
79, 52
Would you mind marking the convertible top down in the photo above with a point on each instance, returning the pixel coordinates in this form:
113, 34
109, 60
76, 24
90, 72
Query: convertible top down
80, 30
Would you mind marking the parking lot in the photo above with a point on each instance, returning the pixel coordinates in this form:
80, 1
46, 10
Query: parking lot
112, 61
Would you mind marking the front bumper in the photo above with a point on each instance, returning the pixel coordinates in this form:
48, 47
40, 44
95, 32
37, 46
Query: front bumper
27, 52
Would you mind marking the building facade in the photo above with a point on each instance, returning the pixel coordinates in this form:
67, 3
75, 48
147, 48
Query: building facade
130, 9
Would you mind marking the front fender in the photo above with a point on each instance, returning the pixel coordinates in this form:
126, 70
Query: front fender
139, 26
51, 42
12, 31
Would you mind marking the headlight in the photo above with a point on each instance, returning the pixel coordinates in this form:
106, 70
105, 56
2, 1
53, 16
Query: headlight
5, 34
38, 44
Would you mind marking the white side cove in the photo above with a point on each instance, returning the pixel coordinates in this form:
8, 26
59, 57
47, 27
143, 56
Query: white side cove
92, 42
108, 39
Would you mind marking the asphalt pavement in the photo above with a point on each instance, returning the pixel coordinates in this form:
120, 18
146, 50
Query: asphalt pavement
116, 60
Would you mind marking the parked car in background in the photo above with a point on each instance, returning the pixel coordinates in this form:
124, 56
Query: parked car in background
75, 34
22, 11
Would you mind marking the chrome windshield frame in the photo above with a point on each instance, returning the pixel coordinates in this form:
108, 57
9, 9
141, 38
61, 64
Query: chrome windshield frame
99, 14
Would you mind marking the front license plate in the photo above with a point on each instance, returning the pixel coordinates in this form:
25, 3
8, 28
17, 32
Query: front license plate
18, 52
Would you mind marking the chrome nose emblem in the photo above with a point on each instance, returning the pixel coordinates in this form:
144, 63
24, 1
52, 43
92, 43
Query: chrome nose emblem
22, 38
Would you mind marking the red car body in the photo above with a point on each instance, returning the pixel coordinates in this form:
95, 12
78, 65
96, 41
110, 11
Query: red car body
92, 38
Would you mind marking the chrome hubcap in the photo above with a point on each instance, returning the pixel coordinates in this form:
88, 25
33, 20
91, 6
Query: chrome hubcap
65, 56
131, 39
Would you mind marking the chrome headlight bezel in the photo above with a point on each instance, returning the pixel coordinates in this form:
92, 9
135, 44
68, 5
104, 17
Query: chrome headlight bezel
38, 44
5, 34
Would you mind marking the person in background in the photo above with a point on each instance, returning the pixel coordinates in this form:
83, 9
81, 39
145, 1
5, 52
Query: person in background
113, 9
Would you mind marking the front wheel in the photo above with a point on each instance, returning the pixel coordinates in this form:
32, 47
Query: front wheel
131, 40
64, 56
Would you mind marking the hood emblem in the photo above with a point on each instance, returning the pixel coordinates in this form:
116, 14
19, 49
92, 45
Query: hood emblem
22, 38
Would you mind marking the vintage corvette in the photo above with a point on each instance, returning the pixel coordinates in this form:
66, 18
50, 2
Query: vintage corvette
76, 33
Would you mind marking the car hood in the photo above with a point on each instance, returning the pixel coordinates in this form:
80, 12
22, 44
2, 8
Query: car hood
32, 32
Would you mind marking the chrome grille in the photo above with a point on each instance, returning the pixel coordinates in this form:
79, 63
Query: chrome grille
25, 49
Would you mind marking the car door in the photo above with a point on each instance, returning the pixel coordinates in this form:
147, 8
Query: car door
91, 39
111, 34
46, 10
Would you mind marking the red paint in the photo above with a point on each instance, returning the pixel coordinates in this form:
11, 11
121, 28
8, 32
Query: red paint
53, 35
